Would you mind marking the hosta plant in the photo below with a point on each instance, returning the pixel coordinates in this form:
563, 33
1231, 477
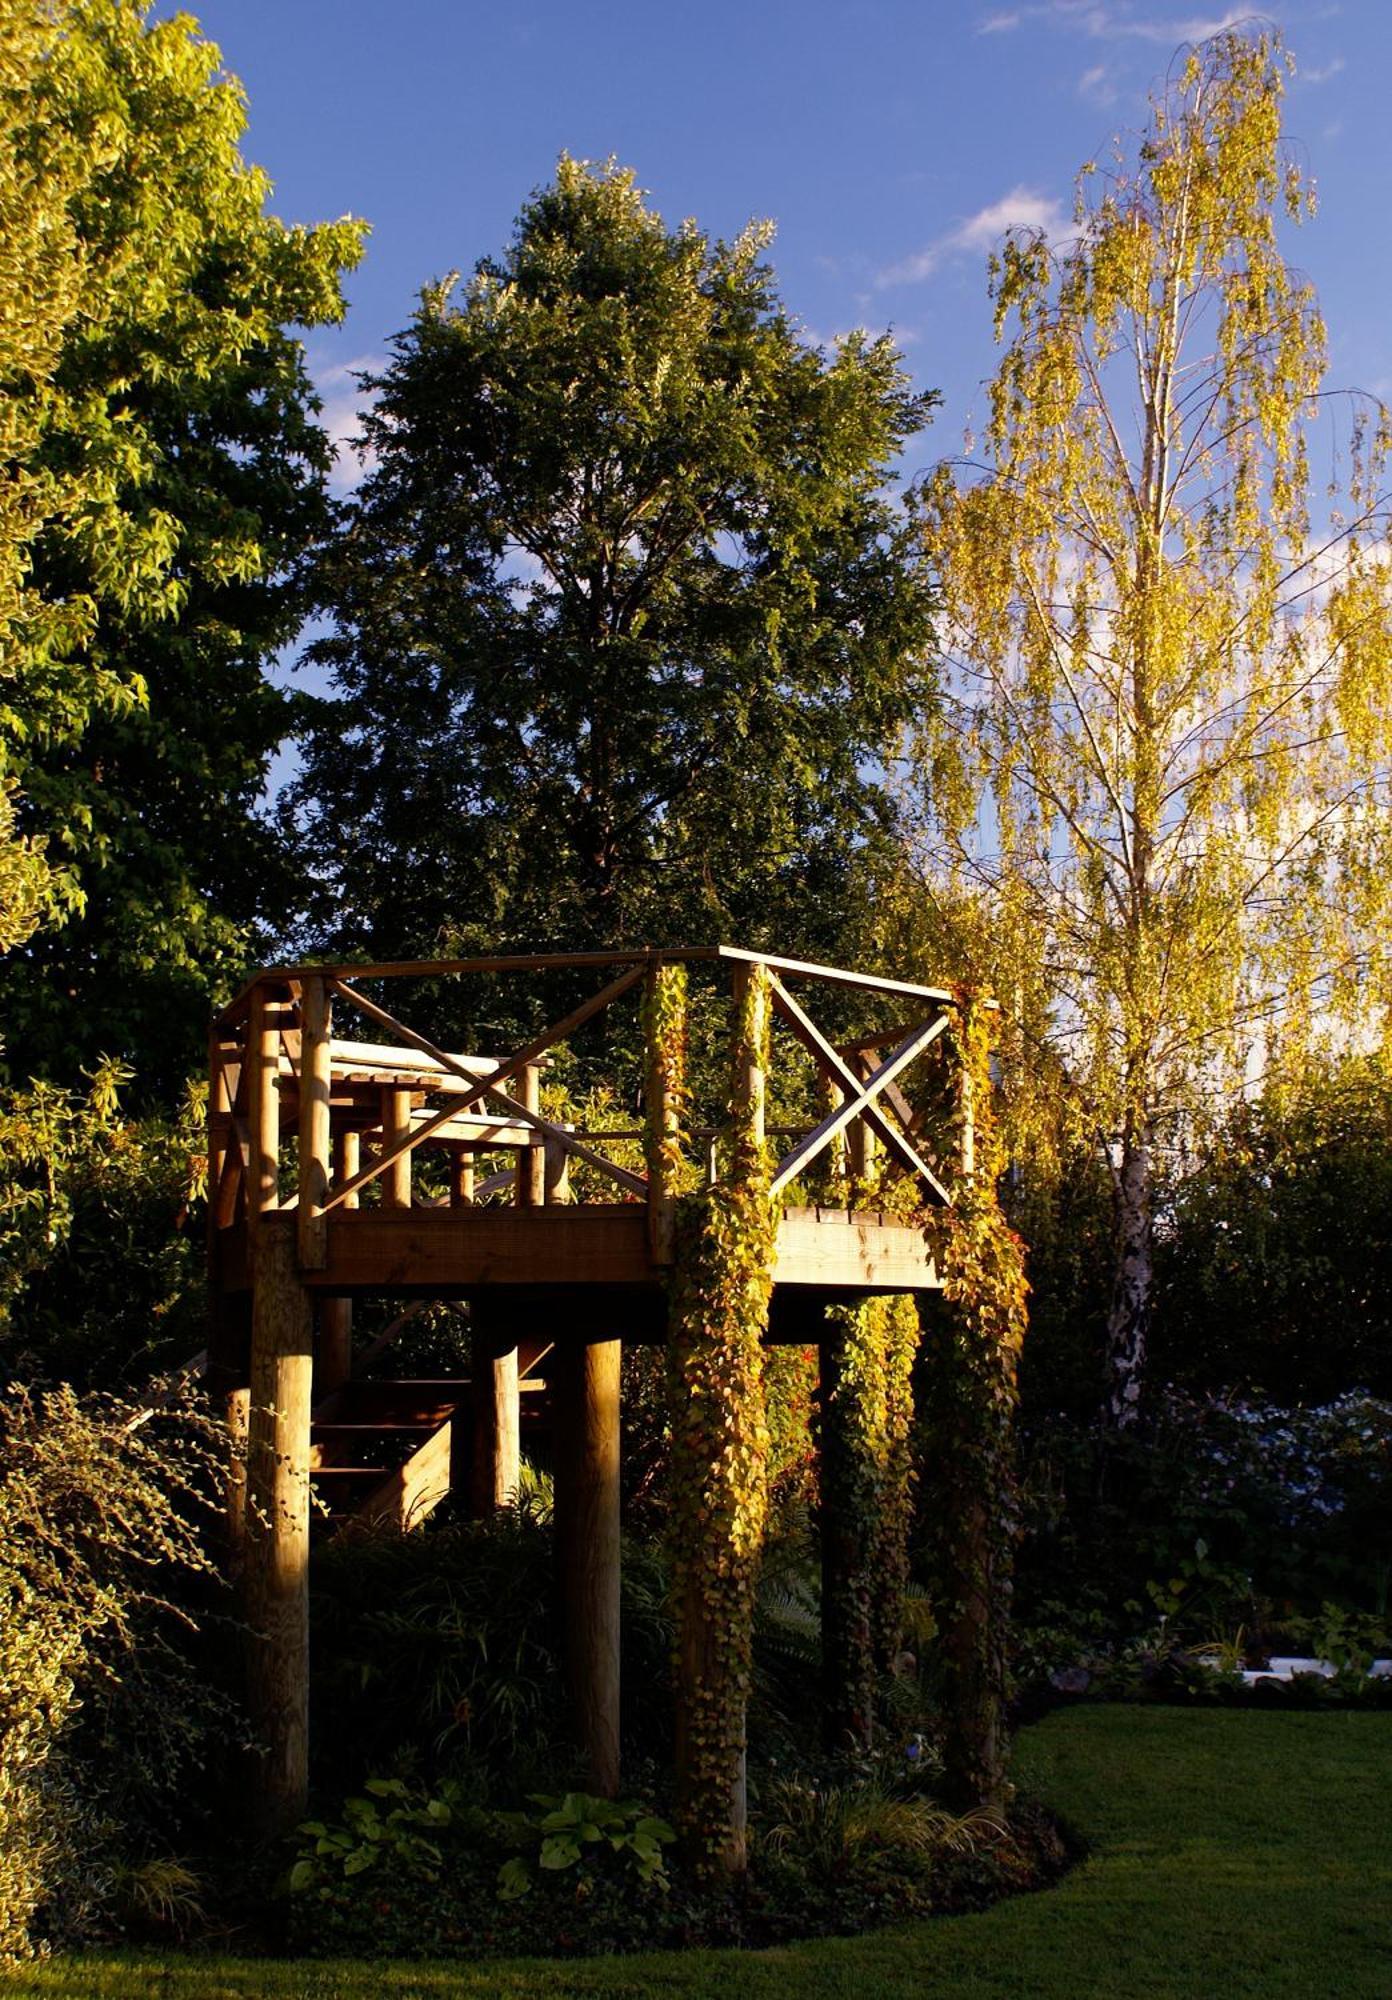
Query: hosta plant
580, 1832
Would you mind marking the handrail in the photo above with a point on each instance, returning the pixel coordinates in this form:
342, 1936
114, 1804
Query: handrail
563, 961
414, 1094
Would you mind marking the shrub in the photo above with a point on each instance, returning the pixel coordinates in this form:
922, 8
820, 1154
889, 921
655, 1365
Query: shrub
98, 1506
101, 1258
1219, 1514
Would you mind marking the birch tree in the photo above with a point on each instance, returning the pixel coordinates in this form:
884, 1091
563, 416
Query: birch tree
1161, 762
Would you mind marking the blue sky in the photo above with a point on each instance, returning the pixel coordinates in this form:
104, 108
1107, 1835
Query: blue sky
890, 142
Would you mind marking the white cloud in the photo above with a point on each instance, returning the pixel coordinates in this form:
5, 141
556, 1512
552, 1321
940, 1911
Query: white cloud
341, 417
1321, 73
1115, 21
1022, 208
1096, 85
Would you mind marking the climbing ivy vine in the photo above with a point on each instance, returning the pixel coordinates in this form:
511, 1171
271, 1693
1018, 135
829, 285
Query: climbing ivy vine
967, 1441
721, 1283
867, 1503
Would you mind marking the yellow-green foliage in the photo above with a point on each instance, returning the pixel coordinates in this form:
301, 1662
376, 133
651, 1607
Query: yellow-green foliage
790, 1387
665, 1091
93, 1507
970, 1515
1157, 784
721, 1288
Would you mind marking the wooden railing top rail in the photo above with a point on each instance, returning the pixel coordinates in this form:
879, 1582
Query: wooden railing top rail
447, 968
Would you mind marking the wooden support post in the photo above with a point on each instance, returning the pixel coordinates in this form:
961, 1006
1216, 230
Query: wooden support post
316, 1075
663, 1137
830, 1098
263, 1105
585, 1380
277, 1545
229, 1347
556, 1162
461, 1176
229, 1365
848, 1661
396, 1123
497, 1454
333, 1364
747, 1075
861, 1145
531, 1161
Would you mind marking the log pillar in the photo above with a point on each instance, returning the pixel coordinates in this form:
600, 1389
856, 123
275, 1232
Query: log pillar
585, 1398
396, 1123
496, 1463
229, 1364
461, 1176
531, 1161
229, 1319
277, 1543
861, 1143
334, 1360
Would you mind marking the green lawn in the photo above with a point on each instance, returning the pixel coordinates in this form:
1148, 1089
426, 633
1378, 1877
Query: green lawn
1235, 1854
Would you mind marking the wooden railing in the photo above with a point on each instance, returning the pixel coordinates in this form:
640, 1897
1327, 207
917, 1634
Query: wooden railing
361, 1111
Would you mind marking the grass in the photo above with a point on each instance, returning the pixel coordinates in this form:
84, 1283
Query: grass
1235, 1854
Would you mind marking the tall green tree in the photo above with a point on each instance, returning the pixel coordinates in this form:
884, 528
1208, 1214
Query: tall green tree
40, 287
173, 436
623, 612
1161, 774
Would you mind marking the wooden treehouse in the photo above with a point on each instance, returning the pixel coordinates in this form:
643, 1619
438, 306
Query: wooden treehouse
344, 1168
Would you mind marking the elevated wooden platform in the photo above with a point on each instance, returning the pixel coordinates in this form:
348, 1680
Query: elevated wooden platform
341, 1169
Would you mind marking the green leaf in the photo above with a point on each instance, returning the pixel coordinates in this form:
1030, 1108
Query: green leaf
559, 1851
514, 1879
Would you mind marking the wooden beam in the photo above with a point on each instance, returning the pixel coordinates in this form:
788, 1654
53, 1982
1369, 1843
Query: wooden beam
316, 1029
461, 1177
277, 1544
851, 1252
441, 968
833, 975
584, 1378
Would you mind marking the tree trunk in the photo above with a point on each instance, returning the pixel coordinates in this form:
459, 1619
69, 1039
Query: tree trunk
1128, 1320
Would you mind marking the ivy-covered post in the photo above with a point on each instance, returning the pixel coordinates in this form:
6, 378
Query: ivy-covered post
664, 1100
866, 1410
890, 1569
970, 1398
722, 1283
850, 1411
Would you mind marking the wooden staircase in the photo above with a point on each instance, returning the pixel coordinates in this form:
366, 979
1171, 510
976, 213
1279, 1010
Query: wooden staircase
393, 1450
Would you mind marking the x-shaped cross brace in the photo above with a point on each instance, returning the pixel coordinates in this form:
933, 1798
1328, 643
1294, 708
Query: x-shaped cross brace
859, 1098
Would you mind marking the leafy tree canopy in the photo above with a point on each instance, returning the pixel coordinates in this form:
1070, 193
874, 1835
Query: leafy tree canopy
169, 437
624, 612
